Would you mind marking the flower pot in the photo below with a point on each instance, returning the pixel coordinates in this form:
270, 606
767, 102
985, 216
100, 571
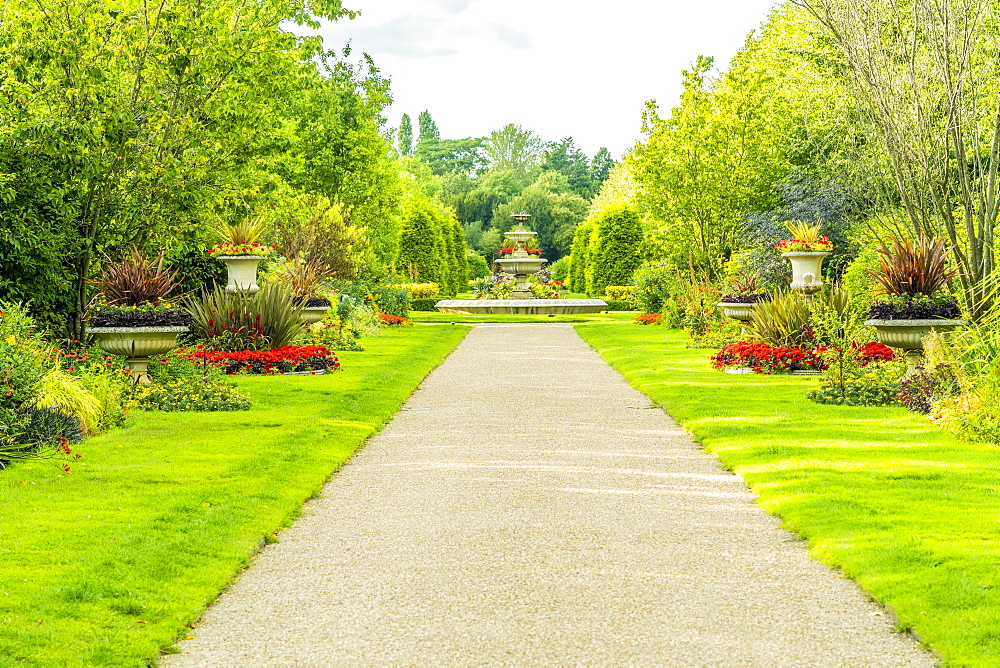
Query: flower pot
740, 312
314, 313
137, 344
242, 272
807, 275
907, 335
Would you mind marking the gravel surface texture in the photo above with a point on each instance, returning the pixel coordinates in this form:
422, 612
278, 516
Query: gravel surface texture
524, 509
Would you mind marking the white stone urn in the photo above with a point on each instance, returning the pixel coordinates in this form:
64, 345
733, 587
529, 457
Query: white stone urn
807, 272
737, 311
137, 344
907, 335
242, 272
312, 314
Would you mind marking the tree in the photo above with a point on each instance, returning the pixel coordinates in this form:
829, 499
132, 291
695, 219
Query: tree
420, 244
716, 158
512, 148
580, 257
924, 73
145, 110
618, 252
600, 166
563, 157
405, 138
451, 156
427, 128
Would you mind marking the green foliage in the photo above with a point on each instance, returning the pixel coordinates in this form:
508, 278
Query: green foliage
424, 304
857, 281
404, 138
420, 290
619, 248
381, 298
782, 321
560, 269
477, 266
876, 385
420, 245
555, 212
180, 384
580, 257
655, 286
620, 292
238, 321
68, 395
620, 305
25, 358
569, 161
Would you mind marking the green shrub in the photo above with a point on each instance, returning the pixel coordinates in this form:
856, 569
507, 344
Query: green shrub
238, 321
620, 305
179, 384
580, 257
424, 304
560, 269
421, 245
783, 321
478, 267
655, 285
625, 293
619, 247
419, 290
876, 387
182, 394
24, 357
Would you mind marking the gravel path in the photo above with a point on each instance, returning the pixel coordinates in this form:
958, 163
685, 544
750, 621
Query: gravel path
523, 511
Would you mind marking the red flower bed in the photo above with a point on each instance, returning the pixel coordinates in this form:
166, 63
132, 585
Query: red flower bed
394, 320
286, 359
763, 358
650, 319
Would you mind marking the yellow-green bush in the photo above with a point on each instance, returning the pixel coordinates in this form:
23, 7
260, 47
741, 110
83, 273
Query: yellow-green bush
419, 290
66, 394
620, 293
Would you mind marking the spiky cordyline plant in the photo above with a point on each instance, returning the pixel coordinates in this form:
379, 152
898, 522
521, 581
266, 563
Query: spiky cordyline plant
244, 232
270, 314
913, 268
303, 276
783, 321
804, 231
135, 281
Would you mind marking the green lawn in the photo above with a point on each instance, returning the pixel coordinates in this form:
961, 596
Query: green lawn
108, 565
614, 316
908, 512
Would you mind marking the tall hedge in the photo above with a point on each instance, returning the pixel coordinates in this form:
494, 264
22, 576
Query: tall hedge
618, 252
420, 244
460, 263
578, 257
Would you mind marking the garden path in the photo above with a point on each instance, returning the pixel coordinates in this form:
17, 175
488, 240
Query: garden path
526, 509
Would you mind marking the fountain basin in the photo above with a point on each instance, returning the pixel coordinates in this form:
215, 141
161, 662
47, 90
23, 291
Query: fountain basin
520, 306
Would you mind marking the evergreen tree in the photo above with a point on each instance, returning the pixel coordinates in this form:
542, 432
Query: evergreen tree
578, 257
427, 128
460, 261
565, 158
618, 252
600, 166
419, 244
405, 141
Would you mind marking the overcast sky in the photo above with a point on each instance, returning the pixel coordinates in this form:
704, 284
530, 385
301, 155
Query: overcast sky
560, 68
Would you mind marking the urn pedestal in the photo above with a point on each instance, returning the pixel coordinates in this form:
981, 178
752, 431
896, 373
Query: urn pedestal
137, 344
907, 335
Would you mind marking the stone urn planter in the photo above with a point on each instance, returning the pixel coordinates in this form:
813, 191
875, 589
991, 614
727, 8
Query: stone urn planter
242, 272
737, 311
807, 272
907, 335
137, 344
313, 314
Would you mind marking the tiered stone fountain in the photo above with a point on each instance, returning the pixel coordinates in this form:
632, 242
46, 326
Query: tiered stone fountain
522, 301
